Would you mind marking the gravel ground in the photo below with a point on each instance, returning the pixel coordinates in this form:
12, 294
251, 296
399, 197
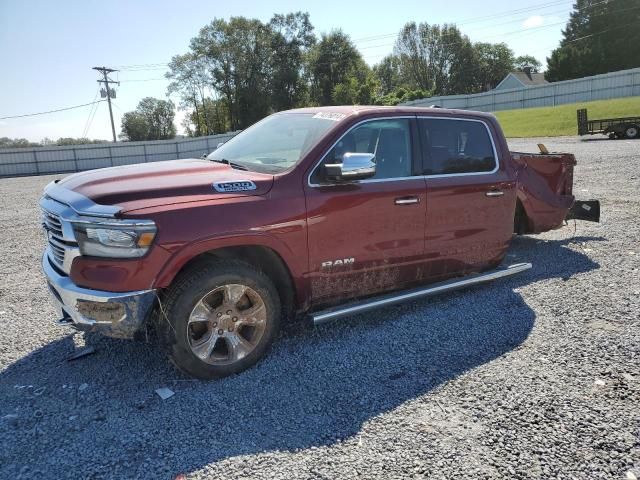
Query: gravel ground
536, 376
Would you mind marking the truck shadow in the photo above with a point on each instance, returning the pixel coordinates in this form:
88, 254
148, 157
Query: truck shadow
315, 389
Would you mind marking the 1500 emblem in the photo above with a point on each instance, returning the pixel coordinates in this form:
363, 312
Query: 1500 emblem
339, 262
237, 186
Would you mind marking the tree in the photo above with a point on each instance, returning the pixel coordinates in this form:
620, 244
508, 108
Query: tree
152, 120
334, 60
215, 111
190, 79
388, 74
494, 62
291, 37
6, 142
519, 63
600, 37
436, 58
237, 54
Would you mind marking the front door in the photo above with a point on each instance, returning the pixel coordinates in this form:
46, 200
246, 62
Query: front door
367, 236
470, 196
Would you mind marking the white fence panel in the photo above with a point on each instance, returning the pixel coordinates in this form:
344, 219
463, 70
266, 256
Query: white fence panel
76, 158
625, 83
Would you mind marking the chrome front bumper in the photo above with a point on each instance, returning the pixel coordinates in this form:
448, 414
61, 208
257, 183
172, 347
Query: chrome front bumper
113, 314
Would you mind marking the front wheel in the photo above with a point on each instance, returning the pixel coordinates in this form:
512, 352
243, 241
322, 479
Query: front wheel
219, 318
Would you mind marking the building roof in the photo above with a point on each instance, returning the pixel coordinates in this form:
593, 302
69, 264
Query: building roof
526, 79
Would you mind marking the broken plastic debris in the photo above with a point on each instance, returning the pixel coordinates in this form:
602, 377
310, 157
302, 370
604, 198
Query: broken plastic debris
165, 393
83, 386
599, 382
81, 353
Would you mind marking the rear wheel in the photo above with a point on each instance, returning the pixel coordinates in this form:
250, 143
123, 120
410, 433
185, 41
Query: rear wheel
221, 318
632, 131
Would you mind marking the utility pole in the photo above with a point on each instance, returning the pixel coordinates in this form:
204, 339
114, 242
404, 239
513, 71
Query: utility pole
108, 92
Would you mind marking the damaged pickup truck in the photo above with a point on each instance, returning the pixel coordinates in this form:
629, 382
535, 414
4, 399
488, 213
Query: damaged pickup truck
316, 213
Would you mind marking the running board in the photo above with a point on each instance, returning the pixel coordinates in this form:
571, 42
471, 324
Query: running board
433, 289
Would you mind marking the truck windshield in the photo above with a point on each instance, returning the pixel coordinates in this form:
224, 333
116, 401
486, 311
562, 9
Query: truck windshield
274, 144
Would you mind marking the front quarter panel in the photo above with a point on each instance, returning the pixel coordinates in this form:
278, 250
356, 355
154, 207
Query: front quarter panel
276, 221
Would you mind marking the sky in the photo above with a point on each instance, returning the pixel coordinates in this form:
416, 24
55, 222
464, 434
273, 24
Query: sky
48, 48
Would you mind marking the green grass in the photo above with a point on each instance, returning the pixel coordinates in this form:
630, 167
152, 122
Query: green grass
561, 120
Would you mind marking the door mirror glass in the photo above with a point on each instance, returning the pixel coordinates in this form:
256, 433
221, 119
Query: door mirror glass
354, 166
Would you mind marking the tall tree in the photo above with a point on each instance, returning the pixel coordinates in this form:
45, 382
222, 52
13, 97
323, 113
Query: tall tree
436, 58
152, 120
190, 79
333, 61
600, 37
388, 74
291, 37
237, 54
494, 62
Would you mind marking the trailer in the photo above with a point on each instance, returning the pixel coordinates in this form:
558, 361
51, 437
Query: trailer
626, 127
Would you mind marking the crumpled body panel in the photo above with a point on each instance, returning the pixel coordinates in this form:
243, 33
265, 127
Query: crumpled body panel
545, 188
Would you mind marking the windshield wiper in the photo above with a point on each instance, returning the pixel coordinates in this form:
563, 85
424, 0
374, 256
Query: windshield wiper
237, 166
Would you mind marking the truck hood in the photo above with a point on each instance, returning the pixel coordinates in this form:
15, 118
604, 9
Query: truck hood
144, 185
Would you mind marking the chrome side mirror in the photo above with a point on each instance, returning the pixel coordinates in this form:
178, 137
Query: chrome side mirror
354, 166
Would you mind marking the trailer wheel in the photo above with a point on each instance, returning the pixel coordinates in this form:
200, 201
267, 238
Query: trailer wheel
632, 131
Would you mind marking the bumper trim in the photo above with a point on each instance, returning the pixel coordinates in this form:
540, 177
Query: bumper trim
135, 306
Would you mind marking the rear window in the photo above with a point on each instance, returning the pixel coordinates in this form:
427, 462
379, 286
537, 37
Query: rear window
456, 147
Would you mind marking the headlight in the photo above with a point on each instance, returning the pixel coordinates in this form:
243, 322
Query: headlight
113, 239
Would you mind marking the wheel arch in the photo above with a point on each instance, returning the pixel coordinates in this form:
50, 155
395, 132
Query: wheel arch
264, 257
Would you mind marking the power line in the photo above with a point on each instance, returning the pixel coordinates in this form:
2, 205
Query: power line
160, 66
475, 20
84, 130
145, 79
93, 115
50, 111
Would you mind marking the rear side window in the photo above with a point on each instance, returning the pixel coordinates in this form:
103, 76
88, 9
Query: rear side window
456, 146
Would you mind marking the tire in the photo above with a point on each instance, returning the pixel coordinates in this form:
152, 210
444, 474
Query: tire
632, 131
219, 318
520, 220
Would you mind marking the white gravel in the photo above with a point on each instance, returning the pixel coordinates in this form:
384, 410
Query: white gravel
537, 376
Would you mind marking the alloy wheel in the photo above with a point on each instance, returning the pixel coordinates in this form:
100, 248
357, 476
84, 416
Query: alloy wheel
226, 324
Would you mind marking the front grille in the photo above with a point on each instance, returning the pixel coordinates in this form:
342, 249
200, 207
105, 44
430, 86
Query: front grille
59, 248
52, 223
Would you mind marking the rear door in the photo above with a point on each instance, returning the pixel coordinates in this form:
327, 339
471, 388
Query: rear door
367, 236
470, 197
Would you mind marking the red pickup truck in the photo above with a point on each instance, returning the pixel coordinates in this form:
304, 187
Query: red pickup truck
314, 213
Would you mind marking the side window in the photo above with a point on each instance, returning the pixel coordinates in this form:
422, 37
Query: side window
388, 140
456, 146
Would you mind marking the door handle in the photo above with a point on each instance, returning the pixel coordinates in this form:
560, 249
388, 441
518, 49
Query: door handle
406, 200
494, 193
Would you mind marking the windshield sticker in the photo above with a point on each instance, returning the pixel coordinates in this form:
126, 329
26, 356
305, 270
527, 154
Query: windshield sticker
335, 116
238, 186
